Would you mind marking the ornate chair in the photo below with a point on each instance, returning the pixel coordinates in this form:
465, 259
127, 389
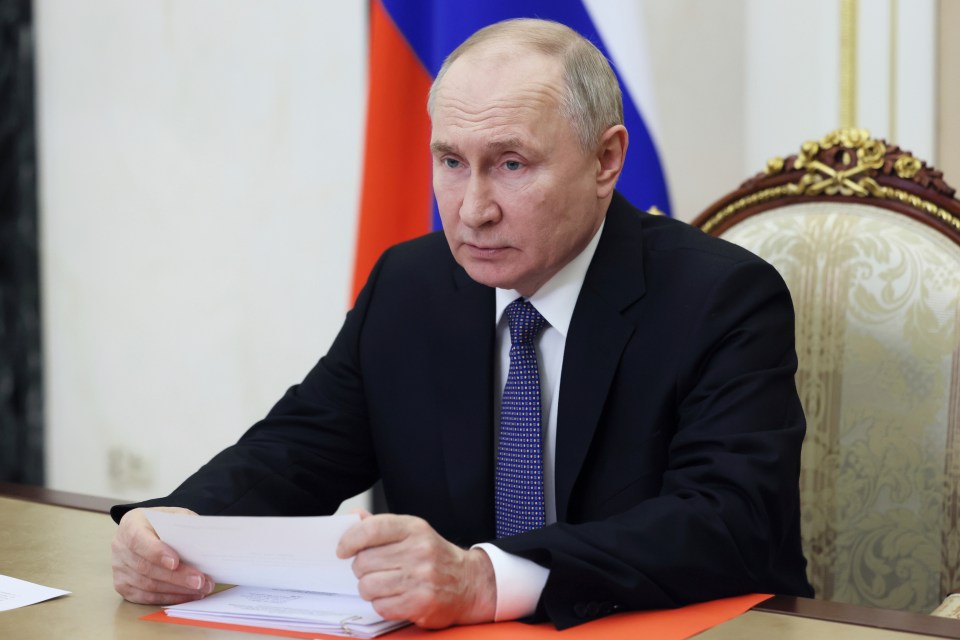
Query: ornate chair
867, 238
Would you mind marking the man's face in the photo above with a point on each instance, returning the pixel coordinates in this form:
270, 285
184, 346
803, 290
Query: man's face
517, 193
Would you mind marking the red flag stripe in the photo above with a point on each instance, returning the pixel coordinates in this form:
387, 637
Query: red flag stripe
395, 200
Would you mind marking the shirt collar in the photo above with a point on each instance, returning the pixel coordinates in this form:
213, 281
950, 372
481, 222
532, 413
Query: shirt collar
557, 297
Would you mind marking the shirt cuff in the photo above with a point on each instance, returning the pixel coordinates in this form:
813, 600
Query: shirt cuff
519, 582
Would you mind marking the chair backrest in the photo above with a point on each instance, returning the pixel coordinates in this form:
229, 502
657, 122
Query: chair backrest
867, 238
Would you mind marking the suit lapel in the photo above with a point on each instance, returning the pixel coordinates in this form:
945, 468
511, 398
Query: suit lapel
468, 436
598, 335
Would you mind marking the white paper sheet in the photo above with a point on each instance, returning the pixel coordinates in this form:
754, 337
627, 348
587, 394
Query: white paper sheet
16, 593
290, 610
281, 553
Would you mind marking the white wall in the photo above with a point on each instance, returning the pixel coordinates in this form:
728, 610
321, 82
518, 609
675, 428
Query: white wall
792, 78
910, 118
698, 49
199, 179
199, 166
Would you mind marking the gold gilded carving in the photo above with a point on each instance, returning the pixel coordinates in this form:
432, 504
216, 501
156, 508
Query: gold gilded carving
871, 154
907, 167
774, 165
846, 162
849, 138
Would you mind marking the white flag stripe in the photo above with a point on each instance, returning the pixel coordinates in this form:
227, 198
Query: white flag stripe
622, 26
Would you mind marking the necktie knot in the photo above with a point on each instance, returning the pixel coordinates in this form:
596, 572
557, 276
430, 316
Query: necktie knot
524, 320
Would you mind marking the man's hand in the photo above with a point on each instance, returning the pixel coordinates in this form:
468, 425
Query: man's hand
411, 573
147, 571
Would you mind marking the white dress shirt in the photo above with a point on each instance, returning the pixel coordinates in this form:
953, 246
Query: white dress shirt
520, 581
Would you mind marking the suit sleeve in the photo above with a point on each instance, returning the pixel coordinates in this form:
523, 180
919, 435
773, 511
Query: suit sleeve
725, 520
312, 451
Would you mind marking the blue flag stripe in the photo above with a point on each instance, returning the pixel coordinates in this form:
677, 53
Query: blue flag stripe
434, 28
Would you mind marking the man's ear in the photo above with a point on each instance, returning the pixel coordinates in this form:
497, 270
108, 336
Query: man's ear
611, 152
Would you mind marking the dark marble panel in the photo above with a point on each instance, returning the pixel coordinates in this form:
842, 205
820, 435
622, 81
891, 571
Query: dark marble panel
21, 399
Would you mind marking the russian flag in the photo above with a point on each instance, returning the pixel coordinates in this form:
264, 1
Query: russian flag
409, 40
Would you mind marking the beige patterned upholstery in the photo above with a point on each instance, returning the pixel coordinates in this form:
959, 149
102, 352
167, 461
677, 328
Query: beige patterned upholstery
877, 293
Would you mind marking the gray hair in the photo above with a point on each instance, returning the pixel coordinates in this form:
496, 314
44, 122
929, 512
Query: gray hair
592, 100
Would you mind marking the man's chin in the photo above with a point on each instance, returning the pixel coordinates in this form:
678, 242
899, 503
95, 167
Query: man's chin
487, 276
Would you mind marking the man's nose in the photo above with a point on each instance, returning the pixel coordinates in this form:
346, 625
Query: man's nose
479, 206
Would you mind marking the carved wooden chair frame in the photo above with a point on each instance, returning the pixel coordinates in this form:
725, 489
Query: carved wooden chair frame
845, 164
849, 167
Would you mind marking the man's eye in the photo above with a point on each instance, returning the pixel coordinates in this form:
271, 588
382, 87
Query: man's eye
512, 165
451, 163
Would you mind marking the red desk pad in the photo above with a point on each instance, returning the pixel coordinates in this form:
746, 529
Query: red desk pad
663, 624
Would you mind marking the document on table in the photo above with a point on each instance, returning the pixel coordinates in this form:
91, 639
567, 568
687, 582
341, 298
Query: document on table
289, 574
16, 593
304, 611
282, 553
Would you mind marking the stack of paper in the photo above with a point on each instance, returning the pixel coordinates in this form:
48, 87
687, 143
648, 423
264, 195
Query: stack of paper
289, 573
306, 611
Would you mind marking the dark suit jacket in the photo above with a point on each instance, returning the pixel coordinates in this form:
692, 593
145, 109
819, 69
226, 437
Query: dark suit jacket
678, 434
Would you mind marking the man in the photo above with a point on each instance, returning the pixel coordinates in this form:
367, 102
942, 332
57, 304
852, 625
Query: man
655, 379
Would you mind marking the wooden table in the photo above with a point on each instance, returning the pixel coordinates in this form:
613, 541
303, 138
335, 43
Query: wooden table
62, 540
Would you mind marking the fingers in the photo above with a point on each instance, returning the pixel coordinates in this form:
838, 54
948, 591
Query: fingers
409, 572
452, 586
380, 584
377, 531
138, 539
145, 570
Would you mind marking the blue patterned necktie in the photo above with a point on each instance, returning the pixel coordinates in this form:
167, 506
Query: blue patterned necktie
519, 460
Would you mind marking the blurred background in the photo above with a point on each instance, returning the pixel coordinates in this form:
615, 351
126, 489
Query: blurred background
180, 185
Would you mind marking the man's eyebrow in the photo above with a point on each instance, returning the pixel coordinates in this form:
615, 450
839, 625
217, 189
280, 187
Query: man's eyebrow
498, 145
441, 148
